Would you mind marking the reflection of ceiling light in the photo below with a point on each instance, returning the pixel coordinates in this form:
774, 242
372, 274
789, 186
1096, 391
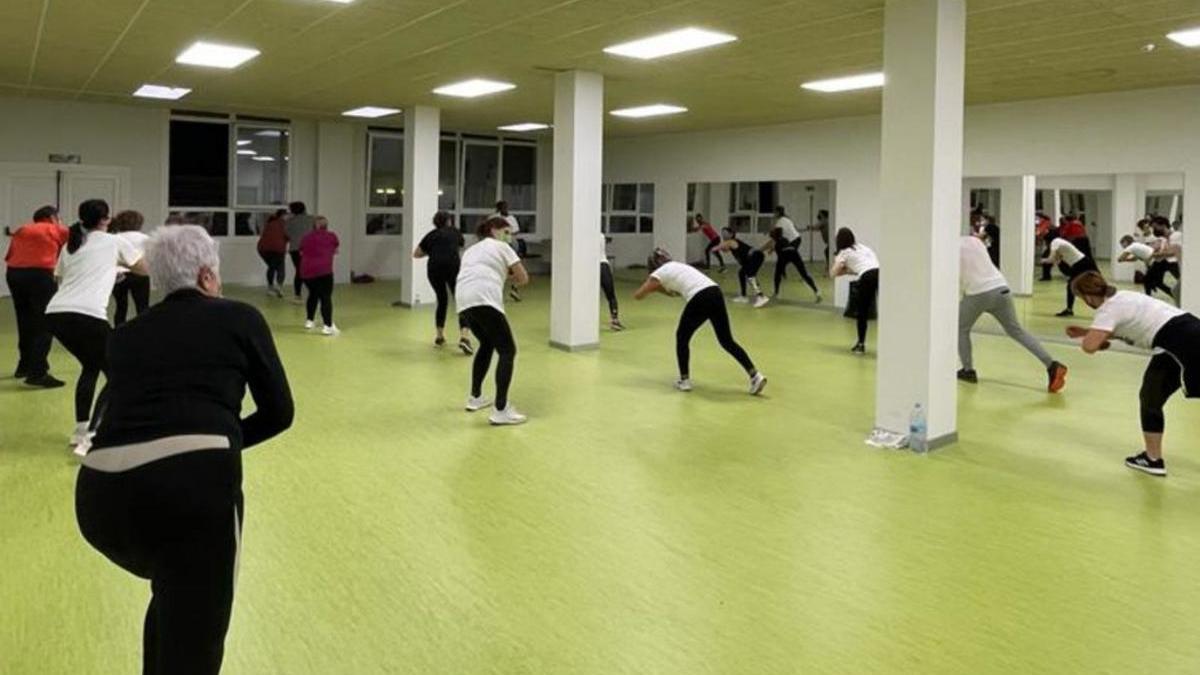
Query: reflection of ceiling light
473, 88
371, 112
865, 81
216, 56
245, 142
263, 158
650, 110
1187, 38
674, 42
1149, 47
378, 191
159, 91
389, 191
440, 193
525, 127
269, 133
248, 153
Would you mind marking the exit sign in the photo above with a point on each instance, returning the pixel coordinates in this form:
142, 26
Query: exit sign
56, 158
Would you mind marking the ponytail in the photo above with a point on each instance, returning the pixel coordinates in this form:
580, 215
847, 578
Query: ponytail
92, 213
75, 240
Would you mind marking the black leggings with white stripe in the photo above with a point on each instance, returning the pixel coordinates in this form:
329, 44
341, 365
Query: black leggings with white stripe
1178, 365
707, 306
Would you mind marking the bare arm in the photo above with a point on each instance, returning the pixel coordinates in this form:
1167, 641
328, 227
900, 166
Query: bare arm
140, 268
1094, 340
651, 285
769, 246
418, 253
518, 274
1168, 251
839, 268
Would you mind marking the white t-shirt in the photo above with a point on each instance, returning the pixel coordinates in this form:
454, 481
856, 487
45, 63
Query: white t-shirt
89, 273
514, 227
1066, 251
1134, 317
1176, 239
1139, 251
682, 279
979, 275
604, 250
790, 233
482, 274
858, 259
137, 238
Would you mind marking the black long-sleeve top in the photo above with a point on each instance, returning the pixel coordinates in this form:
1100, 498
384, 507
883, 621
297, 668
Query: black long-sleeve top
183, 367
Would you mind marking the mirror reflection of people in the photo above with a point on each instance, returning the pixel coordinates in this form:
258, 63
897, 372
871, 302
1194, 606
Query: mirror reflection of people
1149, 323
1169, 251
1067, 253
30, 261
443, 246
609, 287
160, 489
750, 260
784, 239
822, 226
714, 241
1154, 272
705, 304
852, 257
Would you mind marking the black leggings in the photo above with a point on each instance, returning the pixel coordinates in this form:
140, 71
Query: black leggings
1177, 366
177, 523
297, 281
31, 291
609, 287
749, 269
786, 256
86, 338
320, 291
276, 267
1085, 265
1155, 278
707, 305
710, 251
868, 291
491, 328
443, 278
134, 285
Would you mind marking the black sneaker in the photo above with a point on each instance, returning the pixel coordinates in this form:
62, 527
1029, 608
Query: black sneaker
20, 373
968, 376
44, 381
1142, 462
439, 342
859, 348
1066, 312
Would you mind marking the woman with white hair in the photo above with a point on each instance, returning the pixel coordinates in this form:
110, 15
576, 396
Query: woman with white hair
160, 489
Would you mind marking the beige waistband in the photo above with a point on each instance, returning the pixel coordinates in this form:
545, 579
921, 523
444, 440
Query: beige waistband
120, 458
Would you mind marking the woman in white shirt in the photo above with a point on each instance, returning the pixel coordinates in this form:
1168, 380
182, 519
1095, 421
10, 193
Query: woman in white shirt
705, 303
128, 225
1144, 322
1077, 261
479, 295
852, 257
1154, 276
78, 313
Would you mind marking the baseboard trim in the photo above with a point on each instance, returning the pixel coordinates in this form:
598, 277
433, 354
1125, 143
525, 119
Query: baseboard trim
943, 440
575, 348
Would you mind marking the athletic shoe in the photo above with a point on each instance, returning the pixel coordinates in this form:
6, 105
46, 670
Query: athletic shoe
465, 346
968, 376
1066, 312
684, 384
20, 373
44, 381
508, 416
757, 383
514, 294
616, 325
308, 325
331, 331
721, 271
1142, 462
818, 300
278, 293
475, 404
741, 299
297, 300
439, 342
859, 348
1058, 377
761, 302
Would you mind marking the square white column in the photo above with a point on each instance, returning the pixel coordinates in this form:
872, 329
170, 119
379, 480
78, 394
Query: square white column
1017, 237
670, 219
422, 134
921, 201
1125, 215
1189, 262
575, 247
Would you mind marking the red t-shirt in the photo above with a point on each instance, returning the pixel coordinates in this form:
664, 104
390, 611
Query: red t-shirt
36, 246
1072, 230
274, 237
709, 231
317, 249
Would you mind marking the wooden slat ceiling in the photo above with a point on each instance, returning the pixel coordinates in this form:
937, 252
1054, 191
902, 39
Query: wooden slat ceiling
319, 57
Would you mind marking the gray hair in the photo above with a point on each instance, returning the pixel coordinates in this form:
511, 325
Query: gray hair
177, 253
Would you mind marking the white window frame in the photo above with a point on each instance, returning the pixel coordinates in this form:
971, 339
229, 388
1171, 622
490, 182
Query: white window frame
639, 211
368, 209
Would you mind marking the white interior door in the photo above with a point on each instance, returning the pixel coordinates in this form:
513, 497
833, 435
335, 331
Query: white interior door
81, 184
23, 191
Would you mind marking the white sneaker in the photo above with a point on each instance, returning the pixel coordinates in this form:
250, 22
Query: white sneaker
477, 404
757, 383
81, 439
818, 300
761, 301
308, 325
331, 331
507, 416
684, 384
741, 299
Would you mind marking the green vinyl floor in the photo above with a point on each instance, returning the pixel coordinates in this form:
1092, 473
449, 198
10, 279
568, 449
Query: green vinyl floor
629, 528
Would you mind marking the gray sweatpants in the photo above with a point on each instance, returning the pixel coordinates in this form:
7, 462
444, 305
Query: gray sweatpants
997, 302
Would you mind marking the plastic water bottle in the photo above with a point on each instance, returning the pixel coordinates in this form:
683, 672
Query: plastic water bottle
916, 429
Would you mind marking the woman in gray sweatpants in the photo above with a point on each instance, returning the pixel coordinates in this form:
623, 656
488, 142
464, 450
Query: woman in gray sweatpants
986, 291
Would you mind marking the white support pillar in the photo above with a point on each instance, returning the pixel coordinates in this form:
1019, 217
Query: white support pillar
920, 202
1058, 210
1017, 237
1125, 213
422, 131
670, 218
578, 166
335, 162
1189, 262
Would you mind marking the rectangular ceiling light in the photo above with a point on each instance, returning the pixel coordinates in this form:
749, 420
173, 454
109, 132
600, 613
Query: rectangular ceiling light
674, 42
473, 88
371, 111
159, 91
262, 158
248, 153
649, 110
215, 55
1187, 38
525, 127
865, 81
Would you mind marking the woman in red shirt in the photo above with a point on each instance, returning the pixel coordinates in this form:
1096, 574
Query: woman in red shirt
31, 259
317, 249
272, 247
